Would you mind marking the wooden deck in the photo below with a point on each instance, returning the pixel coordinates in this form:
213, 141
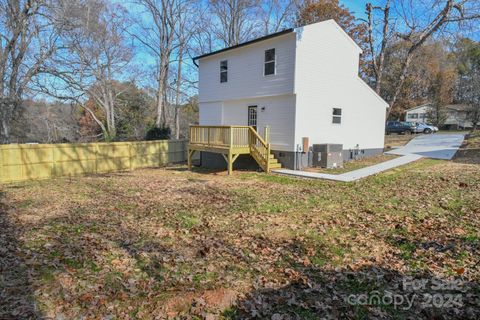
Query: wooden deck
230, 142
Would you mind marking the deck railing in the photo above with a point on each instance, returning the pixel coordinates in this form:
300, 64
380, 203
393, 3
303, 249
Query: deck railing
233, 139
259, 149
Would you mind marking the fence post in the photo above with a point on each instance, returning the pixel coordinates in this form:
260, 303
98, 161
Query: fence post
54, 169
95, 146
130, 155
1, 164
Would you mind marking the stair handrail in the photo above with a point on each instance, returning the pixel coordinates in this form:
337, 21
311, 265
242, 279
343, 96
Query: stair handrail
266, 145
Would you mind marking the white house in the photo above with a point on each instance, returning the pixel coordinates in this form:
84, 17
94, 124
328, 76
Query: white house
456, 115
300, 82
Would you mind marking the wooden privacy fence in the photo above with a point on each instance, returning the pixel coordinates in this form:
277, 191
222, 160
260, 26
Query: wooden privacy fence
21, 162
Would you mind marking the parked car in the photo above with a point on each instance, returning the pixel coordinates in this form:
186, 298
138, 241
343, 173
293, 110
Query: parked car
425, 128
400, 127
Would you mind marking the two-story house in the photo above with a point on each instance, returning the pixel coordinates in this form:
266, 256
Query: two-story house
300, 83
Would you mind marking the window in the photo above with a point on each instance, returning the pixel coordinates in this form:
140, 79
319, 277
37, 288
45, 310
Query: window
269, 62
337, 115
413, 116
224, 71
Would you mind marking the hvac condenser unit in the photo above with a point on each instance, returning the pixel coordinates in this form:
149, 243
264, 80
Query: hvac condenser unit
327, 155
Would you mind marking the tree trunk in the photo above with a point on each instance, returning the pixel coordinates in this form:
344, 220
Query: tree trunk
7, 110
160, 94
177, 94
4, 134
401, 81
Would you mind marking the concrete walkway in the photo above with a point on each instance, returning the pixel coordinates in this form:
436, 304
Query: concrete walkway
438, 146
356, 174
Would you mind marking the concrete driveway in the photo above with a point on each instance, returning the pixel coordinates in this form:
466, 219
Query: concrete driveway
436, 146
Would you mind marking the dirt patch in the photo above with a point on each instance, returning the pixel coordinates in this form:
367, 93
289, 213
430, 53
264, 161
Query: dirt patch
397, 140
469, 152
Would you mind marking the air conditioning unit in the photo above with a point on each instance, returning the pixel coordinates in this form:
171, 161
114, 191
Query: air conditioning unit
328, 155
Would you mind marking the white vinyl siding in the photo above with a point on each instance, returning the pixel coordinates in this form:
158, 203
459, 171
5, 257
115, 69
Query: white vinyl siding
278, 113
326, 77
210, 113
316, 71
246, 71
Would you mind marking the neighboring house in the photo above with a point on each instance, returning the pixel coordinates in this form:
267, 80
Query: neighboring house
456, 115
300, 83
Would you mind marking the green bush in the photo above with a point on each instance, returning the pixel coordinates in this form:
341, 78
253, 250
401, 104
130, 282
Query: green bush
158, 133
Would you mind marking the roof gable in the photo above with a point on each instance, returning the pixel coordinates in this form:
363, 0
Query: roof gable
270, 36
283, 32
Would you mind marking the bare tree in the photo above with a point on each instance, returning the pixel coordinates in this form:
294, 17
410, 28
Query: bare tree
28, 37
378, 62
235, 21
418, 24
157, 34
96, 57
277, 14
186, 28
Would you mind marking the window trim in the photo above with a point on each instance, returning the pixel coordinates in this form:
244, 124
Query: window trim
336, 116
270, 61
224, 71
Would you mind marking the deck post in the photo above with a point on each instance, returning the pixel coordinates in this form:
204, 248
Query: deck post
189, 159
268, 157
230, 162
265, 134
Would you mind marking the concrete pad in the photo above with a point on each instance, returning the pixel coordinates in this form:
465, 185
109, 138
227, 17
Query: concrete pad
436, 146
356, 174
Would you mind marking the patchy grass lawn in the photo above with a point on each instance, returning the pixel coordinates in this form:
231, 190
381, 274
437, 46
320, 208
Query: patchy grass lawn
161, 243
355, 164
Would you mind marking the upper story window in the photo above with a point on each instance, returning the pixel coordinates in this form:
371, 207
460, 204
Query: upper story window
269, 62
224, 71
413, 116
337, 115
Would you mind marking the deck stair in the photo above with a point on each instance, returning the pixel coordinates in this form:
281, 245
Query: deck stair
230, 142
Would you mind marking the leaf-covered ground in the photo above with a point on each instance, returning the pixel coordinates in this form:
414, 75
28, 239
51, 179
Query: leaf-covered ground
168, 243
354, 164
397, 140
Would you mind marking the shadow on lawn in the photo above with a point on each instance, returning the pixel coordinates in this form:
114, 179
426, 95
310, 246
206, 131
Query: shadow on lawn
369, 292
366, 293
16, 289
81, 239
